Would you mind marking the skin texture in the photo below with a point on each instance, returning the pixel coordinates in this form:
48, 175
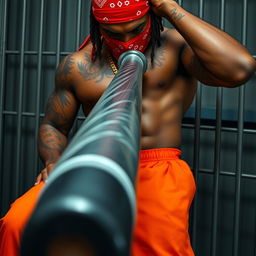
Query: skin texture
194, 50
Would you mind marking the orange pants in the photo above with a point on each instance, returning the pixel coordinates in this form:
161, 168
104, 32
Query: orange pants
165, 190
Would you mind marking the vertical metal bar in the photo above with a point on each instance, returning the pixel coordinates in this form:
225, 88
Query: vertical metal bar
16, 178
78, 26
78, 31
239, 145
2, 80
197, 144
216, 172
217, 152
59, 33
39, 76
254, 236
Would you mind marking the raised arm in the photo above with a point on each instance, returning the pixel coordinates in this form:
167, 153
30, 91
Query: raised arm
61, 110
209, 54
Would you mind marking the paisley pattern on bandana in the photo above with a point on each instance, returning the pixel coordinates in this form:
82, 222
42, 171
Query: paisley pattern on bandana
119, 11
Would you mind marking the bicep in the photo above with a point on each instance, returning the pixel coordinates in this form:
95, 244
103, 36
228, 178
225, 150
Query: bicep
196, 69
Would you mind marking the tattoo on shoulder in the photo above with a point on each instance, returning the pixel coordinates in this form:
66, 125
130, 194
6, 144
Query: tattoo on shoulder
159, 57
94, 71
176, 15
65, 67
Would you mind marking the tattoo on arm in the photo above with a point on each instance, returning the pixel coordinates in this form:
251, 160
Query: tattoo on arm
51, 143
55, 105
60, 113
51, 139
176, 15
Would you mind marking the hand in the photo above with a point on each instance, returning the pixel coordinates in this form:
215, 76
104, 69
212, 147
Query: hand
161, 7
43, 176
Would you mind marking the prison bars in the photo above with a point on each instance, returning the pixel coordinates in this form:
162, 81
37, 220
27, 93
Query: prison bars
198, 127
239, 145
198, 103
22, 53
39, 77
217, 152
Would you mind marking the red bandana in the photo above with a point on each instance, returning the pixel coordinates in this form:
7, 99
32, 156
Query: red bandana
119, 11
138, 43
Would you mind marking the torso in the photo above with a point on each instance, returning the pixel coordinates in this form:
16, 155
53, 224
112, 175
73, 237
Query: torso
168, 91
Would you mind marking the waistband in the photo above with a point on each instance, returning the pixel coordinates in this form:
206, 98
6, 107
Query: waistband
159, 154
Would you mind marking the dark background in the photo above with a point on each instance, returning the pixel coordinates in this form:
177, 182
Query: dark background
219, 130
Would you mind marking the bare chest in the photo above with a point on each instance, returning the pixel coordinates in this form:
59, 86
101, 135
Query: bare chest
160, 79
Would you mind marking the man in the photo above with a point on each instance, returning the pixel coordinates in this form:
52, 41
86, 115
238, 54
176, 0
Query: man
194, 50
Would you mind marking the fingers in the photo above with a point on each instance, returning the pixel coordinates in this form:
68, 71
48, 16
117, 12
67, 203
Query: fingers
38, 179
43, 176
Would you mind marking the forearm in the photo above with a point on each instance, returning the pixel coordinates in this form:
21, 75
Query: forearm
51, 143
220, 54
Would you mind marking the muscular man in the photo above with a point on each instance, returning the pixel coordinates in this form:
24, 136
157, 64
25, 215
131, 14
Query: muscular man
194, 50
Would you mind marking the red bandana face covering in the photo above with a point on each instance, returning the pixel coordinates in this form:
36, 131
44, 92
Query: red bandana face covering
120, 11
138, 43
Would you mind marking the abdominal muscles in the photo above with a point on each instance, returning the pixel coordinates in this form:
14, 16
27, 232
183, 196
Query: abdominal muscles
161, 124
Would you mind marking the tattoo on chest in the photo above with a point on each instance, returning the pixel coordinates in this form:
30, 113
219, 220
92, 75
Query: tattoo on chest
159, 57
94, 71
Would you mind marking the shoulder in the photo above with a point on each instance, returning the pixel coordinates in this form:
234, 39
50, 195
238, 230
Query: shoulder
68, 70
69, 63
173, 38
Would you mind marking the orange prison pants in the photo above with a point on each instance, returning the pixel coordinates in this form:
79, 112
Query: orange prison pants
165, 190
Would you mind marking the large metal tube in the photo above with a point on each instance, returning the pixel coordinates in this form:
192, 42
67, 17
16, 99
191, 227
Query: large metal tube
91, 191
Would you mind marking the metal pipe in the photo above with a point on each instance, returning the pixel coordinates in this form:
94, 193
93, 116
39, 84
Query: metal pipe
91, 191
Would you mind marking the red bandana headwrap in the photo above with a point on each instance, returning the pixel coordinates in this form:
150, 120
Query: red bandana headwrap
119, 11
